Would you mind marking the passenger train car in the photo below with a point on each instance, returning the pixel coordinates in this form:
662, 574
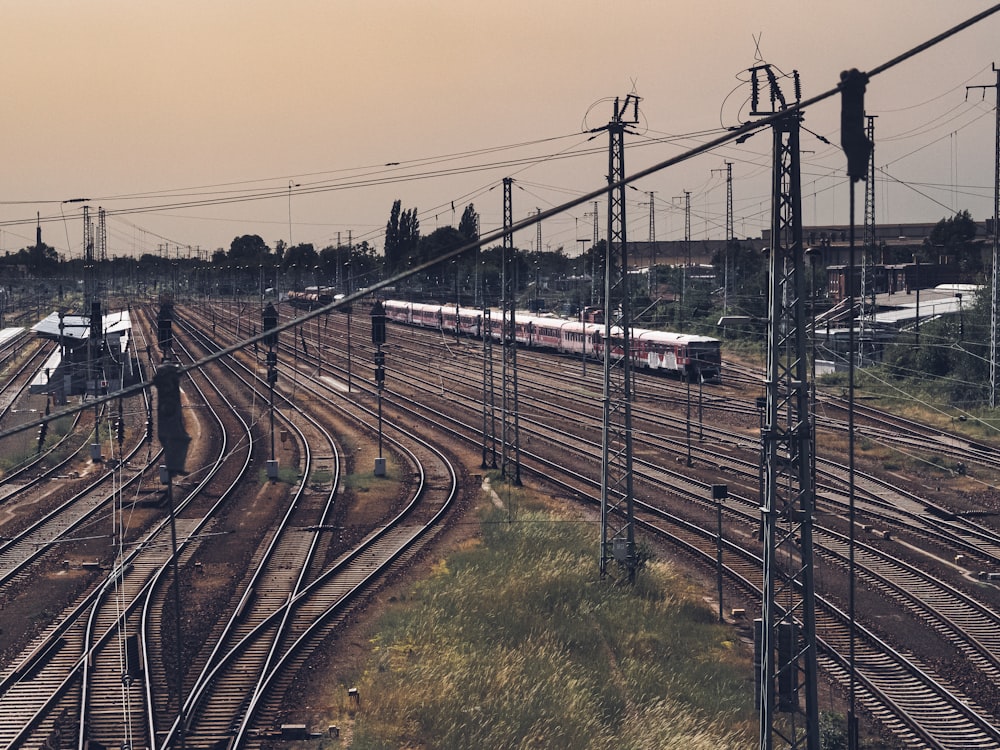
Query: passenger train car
687, 355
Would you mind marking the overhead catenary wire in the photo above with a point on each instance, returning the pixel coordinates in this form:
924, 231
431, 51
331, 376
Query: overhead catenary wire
735, 133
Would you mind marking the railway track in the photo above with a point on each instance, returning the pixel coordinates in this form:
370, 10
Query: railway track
924, 715
976, 728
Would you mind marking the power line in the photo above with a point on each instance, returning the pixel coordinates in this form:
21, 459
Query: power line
735, 133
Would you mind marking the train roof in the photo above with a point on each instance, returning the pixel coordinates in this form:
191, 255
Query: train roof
670, 337
644, 334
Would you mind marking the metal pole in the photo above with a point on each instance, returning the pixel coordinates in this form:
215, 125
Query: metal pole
179, 685
687, 381
719, 493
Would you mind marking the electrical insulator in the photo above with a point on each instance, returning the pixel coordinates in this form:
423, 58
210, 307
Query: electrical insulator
270, 323
853, 138
170, 418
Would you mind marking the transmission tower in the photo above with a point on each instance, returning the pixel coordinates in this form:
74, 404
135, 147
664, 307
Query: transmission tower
593, 254
687, 248
538, 233
652, 241
489, 393
995, 299
489, 401
617, 502
729, 235
102, 236
786, 634
510, 449
88, 258
866, 340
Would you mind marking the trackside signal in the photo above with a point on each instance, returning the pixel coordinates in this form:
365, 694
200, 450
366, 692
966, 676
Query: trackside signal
170, 419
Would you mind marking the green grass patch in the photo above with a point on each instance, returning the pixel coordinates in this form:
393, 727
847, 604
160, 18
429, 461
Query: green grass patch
363, 481
320, 477
286, 475
517, 642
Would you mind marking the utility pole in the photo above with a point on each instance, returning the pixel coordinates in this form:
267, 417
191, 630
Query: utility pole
510, 448
88, 258
489, 398
269, 322
489, 392
538, 234
687, 252
995, 299
866, 340
617, 500
729, 235
593, 256
652, 239
785, 636
102, 235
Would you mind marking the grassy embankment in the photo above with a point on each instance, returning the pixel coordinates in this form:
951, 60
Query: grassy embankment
516, 641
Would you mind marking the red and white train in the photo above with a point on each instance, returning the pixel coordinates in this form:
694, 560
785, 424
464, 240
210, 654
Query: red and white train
687, 355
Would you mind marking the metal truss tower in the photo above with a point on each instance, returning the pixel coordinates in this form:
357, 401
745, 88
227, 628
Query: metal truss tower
489, 400
102, 236
786, 634
730, 235
538, 238
866, 339
995, 298
89, 277
510, 450
489, 393
593, 253
617, 502
651, 272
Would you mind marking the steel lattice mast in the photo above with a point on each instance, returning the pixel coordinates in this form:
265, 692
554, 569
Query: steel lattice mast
617, 502
510, 450
730, 234
995, 298
489, 393
866, 341
786, 633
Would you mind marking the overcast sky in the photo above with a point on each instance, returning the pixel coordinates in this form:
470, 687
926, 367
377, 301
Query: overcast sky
187, 121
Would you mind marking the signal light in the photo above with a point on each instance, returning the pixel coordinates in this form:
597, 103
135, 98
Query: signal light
853, 138
270, 318
170, 418
378, 323
164, 331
